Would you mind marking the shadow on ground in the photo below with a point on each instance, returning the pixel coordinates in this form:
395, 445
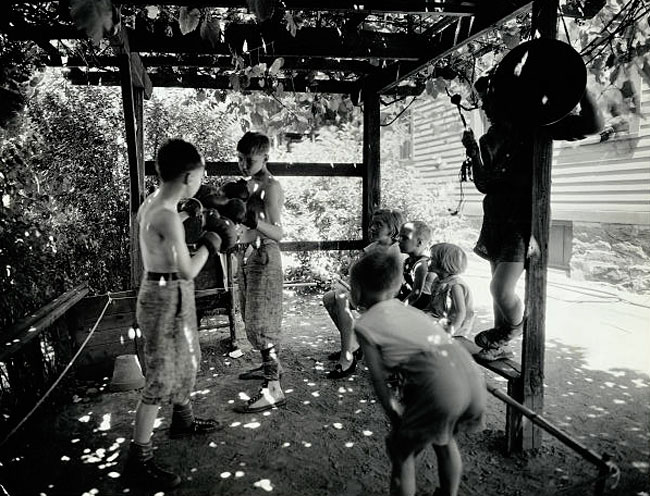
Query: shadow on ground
329, 440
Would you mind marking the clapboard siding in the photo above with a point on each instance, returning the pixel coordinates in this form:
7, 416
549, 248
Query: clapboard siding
591, 181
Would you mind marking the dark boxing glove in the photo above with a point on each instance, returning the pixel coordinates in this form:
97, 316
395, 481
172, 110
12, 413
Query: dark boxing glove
235, 210
236, 189
214, 201
192, 206
226, 230
211, 241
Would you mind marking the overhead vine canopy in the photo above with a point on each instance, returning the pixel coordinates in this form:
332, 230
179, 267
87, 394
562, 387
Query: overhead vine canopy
328, 46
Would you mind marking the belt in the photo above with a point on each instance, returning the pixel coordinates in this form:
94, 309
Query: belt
167, 276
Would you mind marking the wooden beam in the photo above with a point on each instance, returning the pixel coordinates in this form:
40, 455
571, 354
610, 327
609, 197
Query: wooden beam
279, 169
298, 84
131, 111
448, 7
298, 64
371, 193
449, 39
355, 244
23, 331
265, 41
533, 347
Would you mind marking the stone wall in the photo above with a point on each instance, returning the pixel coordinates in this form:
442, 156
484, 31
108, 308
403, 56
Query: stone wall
618, 254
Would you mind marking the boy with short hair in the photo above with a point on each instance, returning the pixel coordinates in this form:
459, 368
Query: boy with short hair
165, 309
415, 240
260, 269
443, 393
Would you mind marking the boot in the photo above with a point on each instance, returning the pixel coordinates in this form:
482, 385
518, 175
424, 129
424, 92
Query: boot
184, 423
141, 470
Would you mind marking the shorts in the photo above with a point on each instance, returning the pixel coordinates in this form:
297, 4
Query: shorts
503, 242
167, 316
443, 393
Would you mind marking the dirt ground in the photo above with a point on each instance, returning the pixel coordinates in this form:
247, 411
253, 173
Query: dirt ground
329, 439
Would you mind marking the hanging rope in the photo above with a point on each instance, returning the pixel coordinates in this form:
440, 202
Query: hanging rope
65, 370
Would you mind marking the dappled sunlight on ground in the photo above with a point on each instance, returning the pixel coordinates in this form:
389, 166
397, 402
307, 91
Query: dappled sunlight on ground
329, 439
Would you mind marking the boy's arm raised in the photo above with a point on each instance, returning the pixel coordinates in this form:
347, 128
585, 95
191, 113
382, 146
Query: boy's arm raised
170, 227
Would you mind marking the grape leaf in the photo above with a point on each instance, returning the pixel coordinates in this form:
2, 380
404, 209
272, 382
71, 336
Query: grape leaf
188, 20
93, 16
211, 31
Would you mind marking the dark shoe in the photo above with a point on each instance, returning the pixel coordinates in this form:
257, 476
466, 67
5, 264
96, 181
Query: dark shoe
358, 354
492, 354
339, 373
199, 426
261, 402
150, 475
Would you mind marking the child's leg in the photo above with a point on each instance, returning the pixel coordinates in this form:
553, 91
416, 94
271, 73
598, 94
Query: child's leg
450, 468
502, 287
402, 480
145, 418
338, 306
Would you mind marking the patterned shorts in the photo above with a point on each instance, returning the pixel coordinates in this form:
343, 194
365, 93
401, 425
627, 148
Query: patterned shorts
167, 316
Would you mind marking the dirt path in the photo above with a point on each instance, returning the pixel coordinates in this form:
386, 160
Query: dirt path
329, 440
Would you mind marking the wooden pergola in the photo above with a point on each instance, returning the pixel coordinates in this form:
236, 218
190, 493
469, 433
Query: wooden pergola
359, 56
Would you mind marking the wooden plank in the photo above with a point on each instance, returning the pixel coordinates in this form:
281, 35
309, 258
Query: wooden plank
447, 41
447, 7
298, 64
27, 329
533, 346
337, 169
371, 185
356, 244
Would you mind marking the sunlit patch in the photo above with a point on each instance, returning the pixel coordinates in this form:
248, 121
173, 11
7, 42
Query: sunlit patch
239, 474
225, 475
264, 484
106, 422
157, 423
65, 458
306, 444
252, 425
306, 402
75, 440
641, 466
162, 282
349, 444
113, 475
640, 383
288, 391
337, 425
367, 433
358, 411
244, 397
544, 100
266, 414
341, 390
235, 424
84, 418
363, 401
212, 444
286, 445
230, 402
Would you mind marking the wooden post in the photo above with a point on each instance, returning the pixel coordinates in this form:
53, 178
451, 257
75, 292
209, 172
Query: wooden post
544, 23
136, 160
371, 157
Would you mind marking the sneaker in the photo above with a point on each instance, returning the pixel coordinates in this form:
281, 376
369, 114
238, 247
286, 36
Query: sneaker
236, 353
261, 402
198, 426
492, 354
150, 475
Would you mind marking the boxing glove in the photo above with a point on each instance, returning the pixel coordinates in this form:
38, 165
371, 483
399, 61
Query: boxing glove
236, 189
234, 209
226, 230
212, 241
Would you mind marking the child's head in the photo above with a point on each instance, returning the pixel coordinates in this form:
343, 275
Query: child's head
447, 259
253, 153
415, 237
385, 225
179, 160
375, 277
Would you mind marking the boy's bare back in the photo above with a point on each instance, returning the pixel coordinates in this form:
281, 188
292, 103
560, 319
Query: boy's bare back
160, 232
